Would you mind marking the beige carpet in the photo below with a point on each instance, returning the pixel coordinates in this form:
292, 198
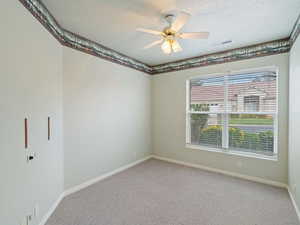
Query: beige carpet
161, 193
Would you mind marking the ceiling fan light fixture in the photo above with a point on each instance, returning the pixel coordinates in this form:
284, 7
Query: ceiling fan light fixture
176, 47
166, 47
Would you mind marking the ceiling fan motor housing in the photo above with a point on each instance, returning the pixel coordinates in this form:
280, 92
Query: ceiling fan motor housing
169, 33
170, 18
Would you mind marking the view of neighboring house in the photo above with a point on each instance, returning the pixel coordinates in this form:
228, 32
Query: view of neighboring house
258, 95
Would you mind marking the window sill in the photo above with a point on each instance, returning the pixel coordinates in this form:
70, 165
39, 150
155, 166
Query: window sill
231, 152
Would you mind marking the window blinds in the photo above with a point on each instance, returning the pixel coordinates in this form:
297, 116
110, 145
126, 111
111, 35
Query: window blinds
234, 112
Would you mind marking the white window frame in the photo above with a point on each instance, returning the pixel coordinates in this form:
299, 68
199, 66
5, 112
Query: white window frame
225, 115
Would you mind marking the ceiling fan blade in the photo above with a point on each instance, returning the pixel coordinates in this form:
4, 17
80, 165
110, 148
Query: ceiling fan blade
149, 31
194, 35
176, 46
153, 44
180, 21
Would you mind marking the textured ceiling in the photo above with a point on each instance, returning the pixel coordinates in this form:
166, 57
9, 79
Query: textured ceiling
113, 23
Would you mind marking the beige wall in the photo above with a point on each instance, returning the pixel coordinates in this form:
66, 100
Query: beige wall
168, 114
106, 116
294, 124
30, 86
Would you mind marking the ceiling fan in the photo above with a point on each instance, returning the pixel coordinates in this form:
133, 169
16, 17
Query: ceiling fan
170, 35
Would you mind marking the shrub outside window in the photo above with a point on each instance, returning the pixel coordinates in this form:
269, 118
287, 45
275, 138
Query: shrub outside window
234, 112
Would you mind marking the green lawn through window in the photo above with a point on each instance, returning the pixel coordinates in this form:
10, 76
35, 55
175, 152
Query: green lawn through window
251, 121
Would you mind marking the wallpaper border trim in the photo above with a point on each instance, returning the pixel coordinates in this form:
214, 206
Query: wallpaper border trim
296, 31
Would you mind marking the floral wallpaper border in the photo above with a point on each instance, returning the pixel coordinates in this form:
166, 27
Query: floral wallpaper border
296, 31
75, 41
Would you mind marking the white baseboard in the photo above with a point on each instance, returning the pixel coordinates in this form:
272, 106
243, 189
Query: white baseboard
106, 175
51, 210
294, 203
232, 174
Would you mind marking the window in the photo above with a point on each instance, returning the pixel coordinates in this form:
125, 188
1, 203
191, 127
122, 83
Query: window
235, 112
251, 103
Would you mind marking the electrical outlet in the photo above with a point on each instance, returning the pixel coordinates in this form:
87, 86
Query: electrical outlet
29, 219
24, 221
36, 211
